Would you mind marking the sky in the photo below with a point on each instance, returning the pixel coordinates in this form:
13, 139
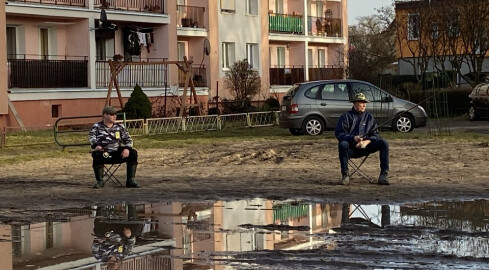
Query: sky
357, 8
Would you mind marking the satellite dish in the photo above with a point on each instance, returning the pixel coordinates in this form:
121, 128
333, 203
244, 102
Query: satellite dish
207, 47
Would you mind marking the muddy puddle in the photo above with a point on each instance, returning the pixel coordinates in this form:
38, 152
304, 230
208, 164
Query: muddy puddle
249, 234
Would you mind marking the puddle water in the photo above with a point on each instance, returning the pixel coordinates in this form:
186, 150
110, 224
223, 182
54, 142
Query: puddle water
249, 234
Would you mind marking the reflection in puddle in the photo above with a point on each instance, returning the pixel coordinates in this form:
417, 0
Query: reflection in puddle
248, 234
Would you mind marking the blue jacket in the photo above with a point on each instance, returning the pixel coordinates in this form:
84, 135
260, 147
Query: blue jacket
353, 123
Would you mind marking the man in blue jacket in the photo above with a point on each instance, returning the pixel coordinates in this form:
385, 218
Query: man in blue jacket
357, 136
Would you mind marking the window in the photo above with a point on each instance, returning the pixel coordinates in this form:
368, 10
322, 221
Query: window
312, 92
55, 111
372, 94
11, 42
281, 57
252, 55
337, 91
227, 54
434, 31
228, 6
44, 43
180, 50
105, 44
321, 58
279, 6
310, 60
453, 27
413, 26
252, 7
319, 9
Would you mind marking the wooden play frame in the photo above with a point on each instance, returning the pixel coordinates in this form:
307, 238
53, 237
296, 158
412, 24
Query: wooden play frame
117, 66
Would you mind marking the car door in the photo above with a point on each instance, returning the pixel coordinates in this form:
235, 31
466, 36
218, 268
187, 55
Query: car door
333, 101
380, 105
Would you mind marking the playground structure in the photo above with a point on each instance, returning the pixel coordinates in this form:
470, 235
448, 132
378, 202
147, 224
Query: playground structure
185, 66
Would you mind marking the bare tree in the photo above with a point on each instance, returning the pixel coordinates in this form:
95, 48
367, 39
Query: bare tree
243, 82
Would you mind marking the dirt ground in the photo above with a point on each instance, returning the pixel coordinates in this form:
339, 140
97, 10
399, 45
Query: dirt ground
421, 170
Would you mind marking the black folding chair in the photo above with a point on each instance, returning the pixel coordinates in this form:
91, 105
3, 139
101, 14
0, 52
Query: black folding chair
109, 173
356, 168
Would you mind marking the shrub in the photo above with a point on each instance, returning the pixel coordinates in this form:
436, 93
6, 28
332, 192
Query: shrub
138, 106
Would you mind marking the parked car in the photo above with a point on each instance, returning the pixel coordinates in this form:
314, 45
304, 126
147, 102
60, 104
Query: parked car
479, 102
311, 107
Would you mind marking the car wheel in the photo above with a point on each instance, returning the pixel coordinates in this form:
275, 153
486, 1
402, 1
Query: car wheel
472, 115
404, 123
296, 131
313, 126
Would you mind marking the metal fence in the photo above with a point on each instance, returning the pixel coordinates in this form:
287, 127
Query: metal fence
76, 134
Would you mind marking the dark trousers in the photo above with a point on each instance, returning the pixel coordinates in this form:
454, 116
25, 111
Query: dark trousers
114, 157
347, 151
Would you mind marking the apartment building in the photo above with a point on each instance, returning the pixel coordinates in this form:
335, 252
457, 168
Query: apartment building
55, 59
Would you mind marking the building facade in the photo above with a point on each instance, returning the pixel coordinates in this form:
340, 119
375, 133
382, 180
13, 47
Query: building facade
55, 59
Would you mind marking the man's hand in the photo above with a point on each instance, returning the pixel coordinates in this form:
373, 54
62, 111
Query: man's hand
363, 144
98, 148
125, 153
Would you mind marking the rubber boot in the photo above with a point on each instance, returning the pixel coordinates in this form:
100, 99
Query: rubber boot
131, 175
345, 178
99, 176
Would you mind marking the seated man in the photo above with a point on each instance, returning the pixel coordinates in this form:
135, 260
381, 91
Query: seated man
357, 136
113, 247
112, 144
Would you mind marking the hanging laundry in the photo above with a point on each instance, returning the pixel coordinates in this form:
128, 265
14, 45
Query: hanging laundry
142, 39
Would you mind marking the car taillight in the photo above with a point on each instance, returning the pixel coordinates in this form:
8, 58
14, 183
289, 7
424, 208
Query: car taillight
294, 108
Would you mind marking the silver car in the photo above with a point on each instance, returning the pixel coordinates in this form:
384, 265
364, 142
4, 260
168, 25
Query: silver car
312, 107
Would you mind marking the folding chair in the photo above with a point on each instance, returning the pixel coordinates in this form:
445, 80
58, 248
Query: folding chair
109, 173
356, 168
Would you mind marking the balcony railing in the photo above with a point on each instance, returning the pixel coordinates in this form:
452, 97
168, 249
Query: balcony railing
325, 73
199, 76
288, 75
77, 3
189, 16
319, 26
285, 23
154, 6
48, 71
144, 75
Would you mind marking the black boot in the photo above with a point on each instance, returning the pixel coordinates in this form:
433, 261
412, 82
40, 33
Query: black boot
99, 176
131, 175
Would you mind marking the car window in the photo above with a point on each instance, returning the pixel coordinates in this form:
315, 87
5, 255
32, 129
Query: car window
371, 93
292, 91
336, 91
312, 92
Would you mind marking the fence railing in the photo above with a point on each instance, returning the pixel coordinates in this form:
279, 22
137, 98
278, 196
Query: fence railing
285, 23
288, 75
47, 72
77, 3
325, 73
76, 132
154, 6
129, 76
320, 26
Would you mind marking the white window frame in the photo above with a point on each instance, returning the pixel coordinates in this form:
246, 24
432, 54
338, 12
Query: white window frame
252, 7
228, 6
319, 9
252, 54
413, 26
279, 6
228, 55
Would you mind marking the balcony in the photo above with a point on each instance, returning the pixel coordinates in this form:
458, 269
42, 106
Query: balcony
288, 75
190, 16
76, 3
328, 27
199, 76
144, 75
325, 73
152, 6
285, 23
47, 71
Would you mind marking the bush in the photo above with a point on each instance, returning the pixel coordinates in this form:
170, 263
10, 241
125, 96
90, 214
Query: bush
138, 106
271, 104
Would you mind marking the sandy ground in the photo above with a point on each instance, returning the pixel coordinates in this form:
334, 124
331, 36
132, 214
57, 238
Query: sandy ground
421, 170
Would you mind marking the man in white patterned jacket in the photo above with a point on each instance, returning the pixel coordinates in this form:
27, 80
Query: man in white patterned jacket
112, 144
